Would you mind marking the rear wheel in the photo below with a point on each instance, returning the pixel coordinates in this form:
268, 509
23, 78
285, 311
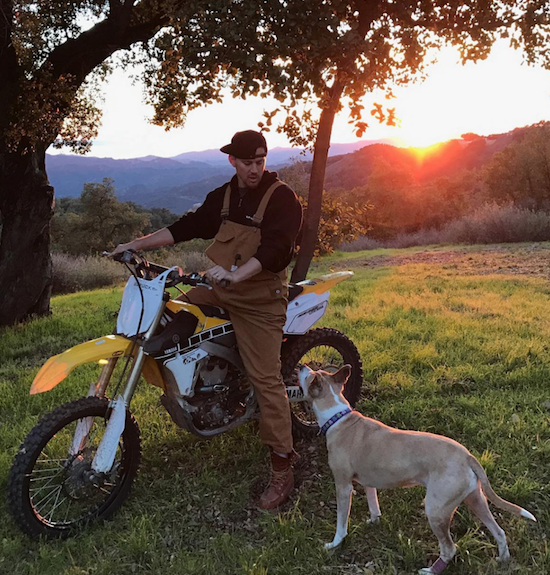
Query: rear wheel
52, 489
326, 349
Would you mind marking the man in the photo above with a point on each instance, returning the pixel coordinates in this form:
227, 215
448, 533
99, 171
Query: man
254, 220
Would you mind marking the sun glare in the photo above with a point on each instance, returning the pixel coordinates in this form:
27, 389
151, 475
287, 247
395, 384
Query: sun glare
493, 96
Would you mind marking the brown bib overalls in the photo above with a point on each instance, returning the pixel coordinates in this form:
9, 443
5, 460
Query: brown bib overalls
257, 307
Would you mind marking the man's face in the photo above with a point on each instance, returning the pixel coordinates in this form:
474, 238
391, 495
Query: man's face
249, 172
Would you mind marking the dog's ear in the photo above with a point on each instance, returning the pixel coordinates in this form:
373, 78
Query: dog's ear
342, 375
314, 387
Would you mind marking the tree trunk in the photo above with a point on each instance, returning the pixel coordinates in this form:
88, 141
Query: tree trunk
315, 193
26, 206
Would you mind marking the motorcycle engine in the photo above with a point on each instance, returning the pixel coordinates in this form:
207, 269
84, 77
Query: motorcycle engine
219, 393
212, 372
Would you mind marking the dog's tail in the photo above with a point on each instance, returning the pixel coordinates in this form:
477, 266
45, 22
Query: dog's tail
492, 496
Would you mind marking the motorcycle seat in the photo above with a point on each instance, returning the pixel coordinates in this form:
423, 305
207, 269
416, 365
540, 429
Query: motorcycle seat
213, 311
294, 290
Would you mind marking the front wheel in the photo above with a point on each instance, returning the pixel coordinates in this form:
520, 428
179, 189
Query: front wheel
326, 349
52, 489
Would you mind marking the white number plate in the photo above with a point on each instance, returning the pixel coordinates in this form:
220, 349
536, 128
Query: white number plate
294, 393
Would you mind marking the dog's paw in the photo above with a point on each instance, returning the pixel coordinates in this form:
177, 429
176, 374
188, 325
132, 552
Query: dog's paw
503, 558
374, 520
425, 571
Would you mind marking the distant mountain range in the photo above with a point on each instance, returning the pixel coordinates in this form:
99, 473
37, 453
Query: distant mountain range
175, 183
424, 164
179, 182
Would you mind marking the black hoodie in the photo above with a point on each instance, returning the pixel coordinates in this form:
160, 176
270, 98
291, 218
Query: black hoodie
280, 226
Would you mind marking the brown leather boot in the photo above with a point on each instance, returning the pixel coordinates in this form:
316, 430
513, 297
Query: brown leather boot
281, 481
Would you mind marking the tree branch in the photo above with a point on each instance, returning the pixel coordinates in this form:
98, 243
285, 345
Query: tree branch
368, 10
9, 68
121, 10
10, 71
79, 56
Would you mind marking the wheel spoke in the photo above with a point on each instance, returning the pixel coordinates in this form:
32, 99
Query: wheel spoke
44, 501
52, 477
42, 479
67, 511
102, 489
55, 505
47, 459
45, 470
60, 486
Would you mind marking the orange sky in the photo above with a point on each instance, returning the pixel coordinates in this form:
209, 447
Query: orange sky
493, 96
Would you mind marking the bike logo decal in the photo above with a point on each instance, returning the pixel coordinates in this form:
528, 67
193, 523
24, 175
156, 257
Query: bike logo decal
199, 338
192, 357
313, 309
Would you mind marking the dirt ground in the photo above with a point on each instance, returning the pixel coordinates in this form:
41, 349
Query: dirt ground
532, 260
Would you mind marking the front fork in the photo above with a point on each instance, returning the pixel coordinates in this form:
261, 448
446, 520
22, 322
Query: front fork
96, 390
99, 388
106, 452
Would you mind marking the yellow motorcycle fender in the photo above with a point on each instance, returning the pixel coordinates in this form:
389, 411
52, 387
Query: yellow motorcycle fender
58, 367
324, 283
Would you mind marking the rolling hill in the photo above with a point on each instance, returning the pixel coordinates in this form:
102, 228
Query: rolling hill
179, 182
175, 183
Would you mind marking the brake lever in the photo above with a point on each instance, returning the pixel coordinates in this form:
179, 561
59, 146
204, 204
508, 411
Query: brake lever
203, 281
208, 283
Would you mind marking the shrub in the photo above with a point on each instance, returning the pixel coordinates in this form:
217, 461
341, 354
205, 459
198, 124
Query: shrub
194, 261
493, 224
79, 273
187, 255
420, 238
76, 273
362, 243
489, 224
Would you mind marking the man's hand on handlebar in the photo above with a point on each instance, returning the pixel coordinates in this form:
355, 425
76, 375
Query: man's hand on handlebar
148, 270
219, 275
122, 248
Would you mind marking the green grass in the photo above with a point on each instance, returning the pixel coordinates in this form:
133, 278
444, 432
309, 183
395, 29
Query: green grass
449, 349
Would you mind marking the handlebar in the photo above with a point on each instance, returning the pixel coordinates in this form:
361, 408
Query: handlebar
145, 268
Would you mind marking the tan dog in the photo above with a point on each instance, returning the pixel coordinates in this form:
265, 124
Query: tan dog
378, 456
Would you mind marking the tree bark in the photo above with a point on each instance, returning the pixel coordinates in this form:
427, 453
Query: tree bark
26, 197
316, 186
26, 205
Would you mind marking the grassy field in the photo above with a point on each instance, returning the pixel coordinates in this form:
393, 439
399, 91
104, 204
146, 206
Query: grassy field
453, 340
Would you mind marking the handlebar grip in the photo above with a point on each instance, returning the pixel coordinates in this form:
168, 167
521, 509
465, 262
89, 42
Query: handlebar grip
119, 257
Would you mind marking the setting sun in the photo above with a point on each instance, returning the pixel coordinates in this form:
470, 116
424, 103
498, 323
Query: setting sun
492, 96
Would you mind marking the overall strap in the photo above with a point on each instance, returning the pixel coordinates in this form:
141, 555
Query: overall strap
225, 208
259, 215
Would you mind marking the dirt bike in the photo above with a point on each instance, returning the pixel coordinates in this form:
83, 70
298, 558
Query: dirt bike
78, 463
